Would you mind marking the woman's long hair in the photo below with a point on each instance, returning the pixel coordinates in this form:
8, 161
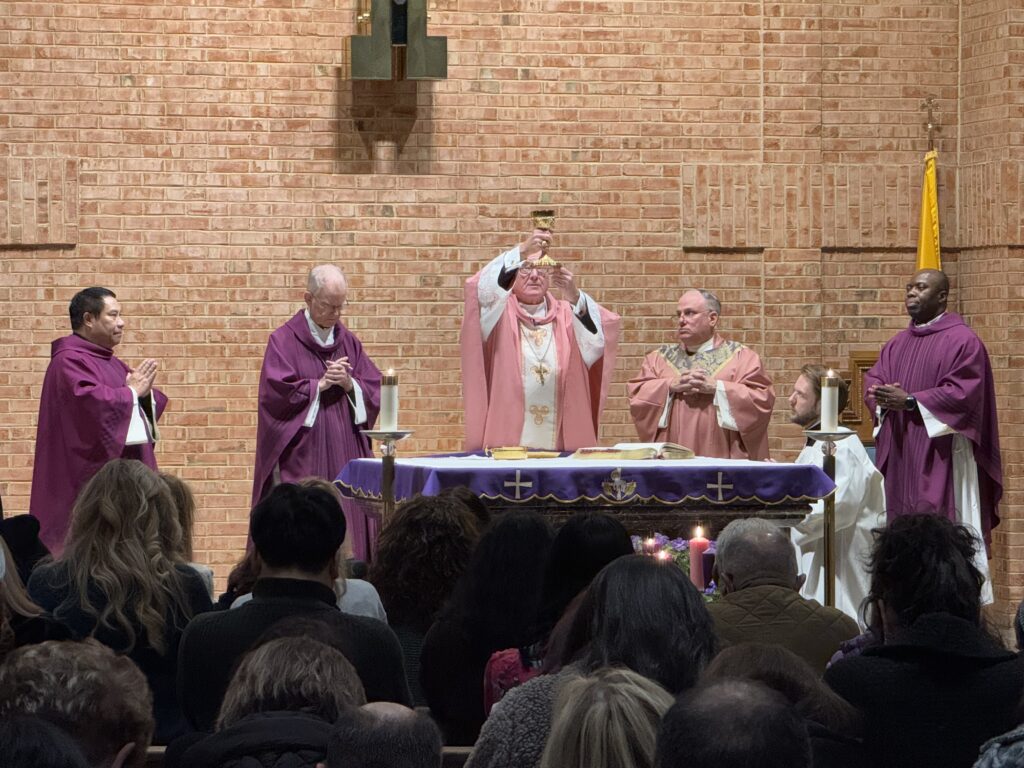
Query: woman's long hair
121, 552
645, 615
14, 600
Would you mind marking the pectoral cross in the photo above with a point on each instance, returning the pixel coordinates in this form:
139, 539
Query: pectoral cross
540, 371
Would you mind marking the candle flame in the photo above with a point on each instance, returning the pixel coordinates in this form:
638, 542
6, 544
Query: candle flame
698, 532
662, 555
831, 374
391, 372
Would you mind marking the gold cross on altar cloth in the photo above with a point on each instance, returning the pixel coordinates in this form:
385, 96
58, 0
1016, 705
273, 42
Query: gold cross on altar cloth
539, 412
720, 486
540, 371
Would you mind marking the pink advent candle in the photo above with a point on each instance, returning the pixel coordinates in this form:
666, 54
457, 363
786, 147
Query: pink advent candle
698, 546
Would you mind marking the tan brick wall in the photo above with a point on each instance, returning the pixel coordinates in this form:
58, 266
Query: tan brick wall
198, 159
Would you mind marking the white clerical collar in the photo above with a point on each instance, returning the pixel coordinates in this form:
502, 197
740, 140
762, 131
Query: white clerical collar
324, 336
707, 346
930, 322
536, 310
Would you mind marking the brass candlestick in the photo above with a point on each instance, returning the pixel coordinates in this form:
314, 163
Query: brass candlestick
829, 534
387, 440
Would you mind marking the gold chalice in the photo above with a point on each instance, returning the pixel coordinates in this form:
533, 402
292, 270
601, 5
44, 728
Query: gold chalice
544, 220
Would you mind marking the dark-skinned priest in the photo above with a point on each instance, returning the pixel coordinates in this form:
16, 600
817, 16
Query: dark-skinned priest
93, 408
933, 397
318, 389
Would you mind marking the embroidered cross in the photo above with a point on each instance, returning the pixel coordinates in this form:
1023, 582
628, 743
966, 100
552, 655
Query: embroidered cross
720, 486
519, 484
540, 371
538, 336
539, 413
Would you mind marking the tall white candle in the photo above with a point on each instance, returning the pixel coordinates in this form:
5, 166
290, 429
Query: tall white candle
830, 401
389, 401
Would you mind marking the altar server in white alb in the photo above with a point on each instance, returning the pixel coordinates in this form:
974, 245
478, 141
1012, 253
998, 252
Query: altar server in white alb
860, 501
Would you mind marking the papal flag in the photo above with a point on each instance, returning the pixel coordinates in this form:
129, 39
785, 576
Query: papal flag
928, 252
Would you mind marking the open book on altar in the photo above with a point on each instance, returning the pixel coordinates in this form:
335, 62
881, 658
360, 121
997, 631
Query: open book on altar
635, 451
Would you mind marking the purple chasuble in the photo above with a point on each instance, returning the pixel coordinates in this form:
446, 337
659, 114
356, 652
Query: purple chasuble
945, 366
84, 413
292, 367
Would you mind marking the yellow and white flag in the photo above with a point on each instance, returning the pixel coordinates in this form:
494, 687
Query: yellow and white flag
928, 252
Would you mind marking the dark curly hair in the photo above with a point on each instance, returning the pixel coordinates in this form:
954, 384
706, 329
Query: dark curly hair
924, 564
421, 553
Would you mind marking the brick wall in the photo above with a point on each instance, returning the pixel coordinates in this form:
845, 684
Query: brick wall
199, 158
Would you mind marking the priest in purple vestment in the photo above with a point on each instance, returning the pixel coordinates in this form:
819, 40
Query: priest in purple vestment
933, 397
93, 408
318, 389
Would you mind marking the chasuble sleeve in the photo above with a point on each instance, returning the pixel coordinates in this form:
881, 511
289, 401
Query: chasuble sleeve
960, 395
284, 393
97, 412
648, 393
751, 397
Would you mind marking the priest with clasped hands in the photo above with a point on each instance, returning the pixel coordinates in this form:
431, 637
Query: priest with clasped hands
705, 392
93, 408
535, 368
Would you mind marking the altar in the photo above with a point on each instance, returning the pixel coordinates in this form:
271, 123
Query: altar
661, 495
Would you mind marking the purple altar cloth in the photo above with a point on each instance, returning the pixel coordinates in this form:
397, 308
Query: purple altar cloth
570, 480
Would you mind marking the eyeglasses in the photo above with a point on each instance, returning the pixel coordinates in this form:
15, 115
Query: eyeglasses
691, 313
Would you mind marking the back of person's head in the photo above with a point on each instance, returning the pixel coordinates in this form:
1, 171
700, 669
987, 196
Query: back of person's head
753, 552
422, 551
498, 598
733, 724
582, 547
384, 735
185, 504
782, 670
91, 300
31, 742
14, 600
298, 528
607, 719
473, 503
645, 615
21, 534
815, 372
99, 697
126, 502
291, 674
924, 564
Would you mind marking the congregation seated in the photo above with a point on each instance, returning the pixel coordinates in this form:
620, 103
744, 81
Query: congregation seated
22, 622
733, 724
494, 606
99, 698
384, 734
296, 533
638, 614
586, 543
185, 504
31, 742
21, 534
938, 684
135, 596
757, 573
279, 709
608, 719
833, 724
422, 551
355, 596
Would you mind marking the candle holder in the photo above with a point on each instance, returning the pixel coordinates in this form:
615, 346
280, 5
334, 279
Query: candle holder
387, 439
829, 439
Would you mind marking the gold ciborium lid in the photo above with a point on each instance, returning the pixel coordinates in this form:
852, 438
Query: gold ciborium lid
544, 219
